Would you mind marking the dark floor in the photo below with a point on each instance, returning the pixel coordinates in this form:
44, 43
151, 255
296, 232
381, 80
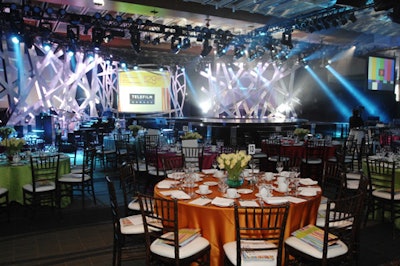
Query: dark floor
84, 236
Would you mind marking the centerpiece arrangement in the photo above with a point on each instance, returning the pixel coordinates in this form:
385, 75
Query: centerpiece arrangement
135, 129
13, 146
234, 164
190, 139
301, 132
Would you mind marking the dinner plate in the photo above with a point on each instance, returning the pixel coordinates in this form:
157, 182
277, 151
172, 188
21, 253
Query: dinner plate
236, 197
210, 183
258, 195
308, 193
208, 192
244, 191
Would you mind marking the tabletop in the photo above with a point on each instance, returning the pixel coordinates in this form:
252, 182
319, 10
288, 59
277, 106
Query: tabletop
217, 223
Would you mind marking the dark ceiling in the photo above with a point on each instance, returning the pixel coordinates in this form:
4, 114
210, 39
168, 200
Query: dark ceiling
311, 22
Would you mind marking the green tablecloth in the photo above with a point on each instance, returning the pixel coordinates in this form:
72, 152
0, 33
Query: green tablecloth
14, 177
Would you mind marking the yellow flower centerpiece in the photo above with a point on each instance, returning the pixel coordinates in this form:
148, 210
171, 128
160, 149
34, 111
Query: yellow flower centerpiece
13, 145
192, 135
135, 129
234, 164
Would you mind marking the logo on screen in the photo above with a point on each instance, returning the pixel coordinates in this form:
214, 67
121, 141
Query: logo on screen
142, 98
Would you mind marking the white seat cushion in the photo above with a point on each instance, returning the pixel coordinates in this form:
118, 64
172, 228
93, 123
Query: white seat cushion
385, 195
355, 176
312, 161
73, 178
77, 169
3, 191
230, 252
165, 250
338, 250
41, 187
132, 224
154, 172
352, 184
134, 205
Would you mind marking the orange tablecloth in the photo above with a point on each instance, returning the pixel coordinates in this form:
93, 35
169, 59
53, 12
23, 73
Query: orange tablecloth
218, 225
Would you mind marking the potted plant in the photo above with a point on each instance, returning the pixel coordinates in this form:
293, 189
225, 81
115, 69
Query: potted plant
234, 164
190, 139
135, 129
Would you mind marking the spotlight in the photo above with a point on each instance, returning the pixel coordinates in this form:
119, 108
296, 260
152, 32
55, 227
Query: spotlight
46, 46
14, 39
238, 51
186, 43
97, 36
135, 67
206, 48
287, 39
147, 39
135, 40
155, 41
176, 44
222, 48
73, 32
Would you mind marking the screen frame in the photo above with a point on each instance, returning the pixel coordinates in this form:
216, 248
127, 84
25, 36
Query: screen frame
386, 87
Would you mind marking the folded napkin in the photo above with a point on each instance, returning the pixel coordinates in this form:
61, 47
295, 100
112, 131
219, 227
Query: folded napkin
308, 182
200, 201
248, 203
294, 199
275, 200
132, 220
208, 171
166, 184
168, 192
222, 202
284, 173
309, 191
179, 194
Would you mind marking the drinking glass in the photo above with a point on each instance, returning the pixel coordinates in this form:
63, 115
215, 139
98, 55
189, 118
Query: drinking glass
214, 164
279, 167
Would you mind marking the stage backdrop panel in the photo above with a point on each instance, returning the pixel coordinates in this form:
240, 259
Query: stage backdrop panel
143, 91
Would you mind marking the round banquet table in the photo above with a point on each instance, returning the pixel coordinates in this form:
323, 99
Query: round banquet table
14, 177
217, 224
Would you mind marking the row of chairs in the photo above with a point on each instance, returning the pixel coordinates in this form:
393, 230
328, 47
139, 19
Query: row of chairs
48, 188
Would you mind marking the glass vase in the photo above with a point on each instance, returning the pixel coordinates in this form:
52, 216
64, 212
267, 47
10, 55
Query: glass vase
234, 181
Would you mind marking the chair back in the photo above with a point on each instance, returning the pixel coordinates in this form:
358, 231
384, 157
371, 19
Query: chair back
114, 209
315, 150
381, 175
334, 180
173, 163
44, 170
159, 217
266, 223
151, 141
273, 147
228, 149
193, 155
88, 162
122, 137
343, 219
128, 183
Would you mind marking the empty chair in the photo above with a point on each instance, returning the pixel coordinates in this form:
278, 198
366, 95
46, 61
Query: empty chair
274, 154
312, 165
174, 163
42, 190
259, 235
193, 156
130, 188
338, 240
383, 193
160, 218
128, 231
81, 182
4, 202
121, 149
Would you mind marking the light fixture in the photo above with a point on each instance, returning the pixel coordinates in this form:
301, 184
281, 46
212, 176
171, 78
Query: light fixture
135, 39
155, 41
287, 39
97, 36
73, 32
186, 43
206, 48
176, 44
238, 51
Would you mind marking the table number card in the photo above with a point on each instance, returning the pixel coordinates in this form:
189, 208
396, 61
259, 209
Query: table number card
251, 149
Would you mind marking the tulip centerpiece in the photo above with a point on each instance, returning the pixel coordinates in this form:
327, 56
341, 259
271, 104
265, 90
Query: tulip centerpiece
234, 164
135, 129
301, 132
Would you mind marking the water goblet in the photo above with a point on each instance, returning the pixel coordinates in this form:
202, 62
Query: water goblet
279, 166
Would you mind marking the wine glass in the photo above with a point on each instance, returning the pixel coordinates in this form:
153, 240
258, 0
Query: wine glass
279, 167
252, 165
214, 164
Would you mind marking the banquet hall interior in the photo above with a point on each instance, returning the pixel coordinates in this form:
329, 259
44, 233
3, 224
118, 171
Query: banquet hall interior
89, 82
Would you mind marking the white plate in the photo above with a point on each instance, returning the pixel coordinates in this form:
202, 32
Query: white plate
258, 195
244, 191
308, 193
208, 192
236, 197
210, 183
